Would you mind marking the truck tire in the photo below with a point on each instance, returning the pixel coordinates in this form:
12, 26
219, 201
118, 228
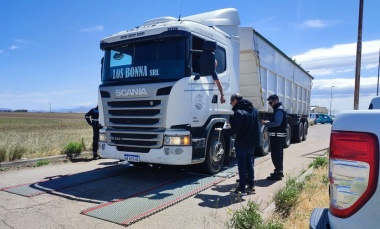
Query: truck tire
265, 148
260, 152
288, 136
214, 153
305, 130
298, 133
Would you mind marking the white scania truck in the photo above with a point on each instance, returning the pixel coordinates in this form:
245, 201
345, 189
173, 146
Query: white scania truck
159, 104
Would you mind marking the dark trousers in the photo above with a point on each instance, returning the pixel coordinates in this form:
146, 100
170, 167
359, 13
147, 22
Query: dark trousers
277, 152
245, 166
95, 140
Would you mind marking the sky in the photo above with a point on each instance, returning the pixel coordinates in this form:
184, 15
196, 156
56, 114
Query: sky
50, 55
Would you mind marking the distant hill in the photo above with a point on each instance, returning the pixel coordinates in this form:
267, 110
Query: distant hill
5, 109
80, 109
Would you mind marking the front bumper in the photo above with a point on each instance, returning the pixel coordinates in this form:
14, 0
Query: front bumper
165, 155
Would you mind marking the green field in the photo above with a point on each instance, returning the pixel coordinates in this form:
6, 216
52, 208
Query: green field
33, 135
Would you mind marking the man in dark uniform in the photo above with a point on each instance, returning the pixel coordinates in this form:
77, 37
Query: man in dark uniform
92, 119
277, 132
245, 124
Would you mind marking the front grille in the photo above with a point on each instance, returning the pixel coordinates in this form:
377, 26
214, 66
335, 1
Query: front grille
132, 121
135, 103
134, 112
135, 125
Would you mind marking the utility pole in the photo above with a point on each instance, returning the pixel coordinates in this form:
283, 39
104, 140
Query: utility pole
358, 57
378, 70
331, 98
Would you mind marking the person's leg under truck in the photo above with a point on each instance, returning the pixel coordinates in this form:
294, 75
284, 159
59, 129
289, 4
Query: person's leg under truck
277, 152
95, 140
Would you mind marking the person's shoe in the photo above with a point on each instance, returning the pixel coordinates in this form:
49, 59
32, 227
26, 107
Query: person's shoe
275, 176
251, 190
95, 157
237, 191
280, 173
238, 180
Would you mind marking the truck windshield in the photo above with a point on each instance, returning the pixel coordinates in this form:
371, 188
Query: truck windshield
158, 60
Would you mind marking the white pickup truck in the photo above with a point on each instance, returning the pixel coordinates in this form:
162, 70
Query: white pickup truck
353, 173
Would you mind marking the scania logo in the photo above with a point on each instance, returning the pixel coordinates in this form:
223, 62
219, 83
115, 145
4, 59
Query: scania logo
131, 92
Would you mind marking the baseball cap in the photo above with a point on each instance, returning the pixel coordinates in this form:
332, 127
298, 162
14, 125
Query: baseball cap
236, 96
273, 97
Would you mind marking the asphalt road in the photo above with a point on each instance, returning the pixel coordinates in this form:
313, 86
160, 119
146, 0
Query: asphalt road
210, 208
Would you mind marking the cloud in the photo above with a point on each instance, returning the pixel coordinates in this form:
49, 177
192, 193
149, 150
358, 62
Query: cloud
371, 66
316, 23
338, 58
343, 83
96, 28
14, 47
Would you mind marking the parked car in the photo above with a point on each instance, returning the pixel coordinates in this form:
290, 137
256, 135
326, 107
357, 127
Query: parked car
323, 118
354, 179
313, 117
375, 103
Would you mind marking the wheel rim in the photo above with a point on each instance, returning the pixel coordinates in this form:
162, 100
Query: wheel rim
300, 127
305, 129
217, 152
288, 135
266, 139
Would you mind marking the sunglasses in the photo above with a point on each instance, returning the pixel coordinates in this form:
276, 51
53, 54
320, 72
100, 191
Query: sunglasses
270, 103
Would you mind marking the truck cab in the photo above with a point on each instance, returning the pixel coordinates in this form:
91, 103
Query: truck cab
158, 100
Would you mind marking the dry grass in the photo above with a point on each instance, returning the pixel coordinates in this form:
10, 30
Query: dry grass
41, 134
314, 195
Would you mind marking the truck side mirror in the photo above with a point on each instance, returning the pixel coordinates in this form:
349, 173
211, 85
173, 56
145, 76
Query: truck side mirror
207, 63
101, 67
208, 58
209, 46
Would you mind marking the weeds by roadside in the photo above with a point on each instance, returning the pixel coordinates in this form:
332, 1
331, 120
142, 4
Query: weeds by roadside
249, 217
286, 198
319, 162
42, 163
293, 203
73, 148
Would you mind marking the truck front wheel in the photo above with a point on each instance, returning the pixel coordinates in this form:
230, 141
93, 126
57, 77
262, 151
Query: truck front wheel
215, 153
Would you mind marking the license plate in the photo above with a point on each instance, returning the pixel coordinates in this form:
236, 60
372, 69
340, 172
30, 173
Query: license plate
132, 158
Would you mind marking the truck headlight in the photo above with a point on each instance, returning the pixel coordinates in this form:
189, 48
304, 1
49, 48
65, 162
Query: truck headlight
177, 140
102, 137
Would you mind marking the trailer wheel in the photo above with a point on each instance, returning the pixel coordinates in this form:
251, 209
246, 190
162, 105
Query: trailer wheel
265, 148
215, 153
288, 136
305, 131
260, 152
298, 132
